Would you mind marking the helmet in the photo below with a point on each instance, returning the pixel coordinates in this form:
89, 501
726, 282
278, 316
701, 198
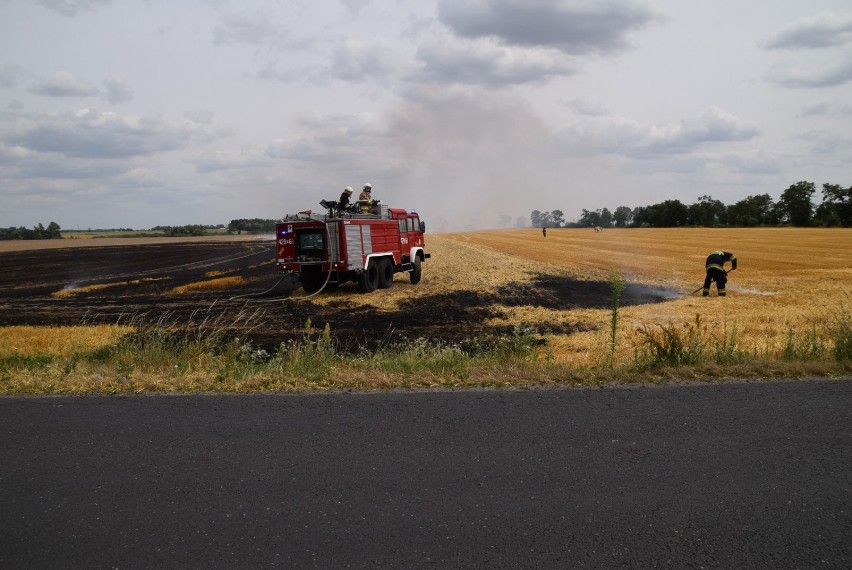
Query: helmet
368, 186
348, 189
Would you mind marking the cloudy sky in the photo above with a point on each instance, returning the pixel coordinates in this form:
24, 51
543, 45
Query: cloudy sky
473, 112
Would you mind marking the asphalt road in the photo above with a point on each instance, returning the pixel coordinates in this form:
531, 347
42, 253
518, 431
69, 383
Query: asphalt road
717, 476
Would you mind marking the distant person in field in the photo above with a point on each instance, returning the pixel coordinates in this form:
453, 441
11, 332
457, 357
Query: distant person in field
544, 231
715, 266
343, 204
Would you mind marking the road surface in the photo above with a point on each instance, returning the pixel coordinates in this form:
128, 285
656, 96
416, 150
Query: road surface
701, 475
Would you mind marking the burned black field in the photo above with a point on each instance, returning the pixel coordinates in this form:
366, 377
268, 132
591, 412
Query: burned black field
146, 284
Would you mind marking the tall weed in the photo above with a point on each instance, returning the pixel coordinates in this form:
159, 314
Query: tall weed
803, 346
841, 332
671, 345
617, 284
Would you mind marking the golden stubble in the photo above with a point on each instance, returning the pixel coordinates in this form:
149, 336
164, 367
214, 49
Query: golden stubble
788, 279
25, 340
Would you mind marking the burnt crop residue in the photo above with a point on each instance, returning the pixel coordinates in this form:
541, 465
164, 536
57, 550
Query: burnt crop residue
558, 292
140, 280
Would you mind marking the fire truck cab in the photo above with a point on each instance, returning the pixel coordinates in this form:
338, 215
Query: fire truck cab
365, 245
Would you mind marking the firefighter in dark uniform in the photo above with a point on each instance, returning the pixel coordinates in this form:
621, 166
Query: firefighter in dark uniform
715, 266
343, 204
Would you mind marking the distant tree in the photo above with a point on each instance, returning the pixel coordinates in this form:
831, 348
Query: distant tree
753, 211
706, 212
836, 207
182, 231
38, 232
520, 222
623, 216
670, 213
589, 219
795, 206
552, 219
557, 218
504, 220
606, 218
252, 226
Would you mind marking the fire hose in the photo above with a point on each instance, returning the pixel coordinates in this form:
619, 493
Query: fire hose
317, 292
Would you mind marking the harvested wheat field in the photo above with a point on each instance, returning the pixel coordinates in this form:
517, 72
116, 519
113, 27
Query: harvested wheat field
789, 281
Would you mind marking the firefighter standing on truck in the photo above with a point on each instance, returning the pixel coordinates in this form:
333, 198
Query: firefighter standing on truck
365, 200
715, 266
343, 204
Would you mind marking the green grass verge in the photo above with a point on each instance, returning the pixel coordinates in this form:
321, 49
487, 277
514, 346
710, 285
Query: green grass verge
157, 359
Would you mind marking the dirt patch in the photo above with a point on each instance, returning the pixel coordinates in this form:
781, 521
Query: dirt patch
123, 283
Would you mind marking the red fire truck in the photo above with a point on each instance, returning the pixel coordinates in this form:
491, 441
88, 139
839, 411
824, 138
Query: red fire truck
367, 244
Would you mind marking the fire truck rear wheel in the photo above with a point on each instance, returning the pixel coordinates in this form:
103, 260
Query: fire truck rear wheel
385, 273
415, 273
369, 279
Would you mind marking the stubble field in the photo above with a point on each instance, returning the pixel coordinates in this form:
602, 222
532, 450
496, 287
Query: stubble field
476, 284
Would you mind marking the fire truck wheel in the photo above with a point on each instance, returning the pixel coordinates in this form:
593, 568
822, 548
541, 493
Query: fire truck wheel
415, 273
369, 279
385, 273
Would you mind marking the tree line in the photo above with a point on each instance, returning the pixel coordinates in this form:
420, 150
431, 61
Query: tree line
795, 207
187, 230
38, 232
252, 226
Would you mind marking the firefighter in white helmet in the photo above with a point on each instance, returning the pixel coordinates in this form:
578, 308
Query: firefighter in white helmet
343, 204
365, 199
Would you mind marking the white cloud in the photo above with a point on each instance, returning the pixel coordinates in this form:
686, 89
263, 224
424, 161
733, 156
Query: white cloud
812, 76
825, 30
92, 134
828, 35
825, 108
829, 143
20, 164
335, 139
63, 84
200, 116
585, 107
71, 8
620, 136
248, 27
359, 61
573, 27
756, 162
10, 74
484, 62
223, 160
116, 90
355, 6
